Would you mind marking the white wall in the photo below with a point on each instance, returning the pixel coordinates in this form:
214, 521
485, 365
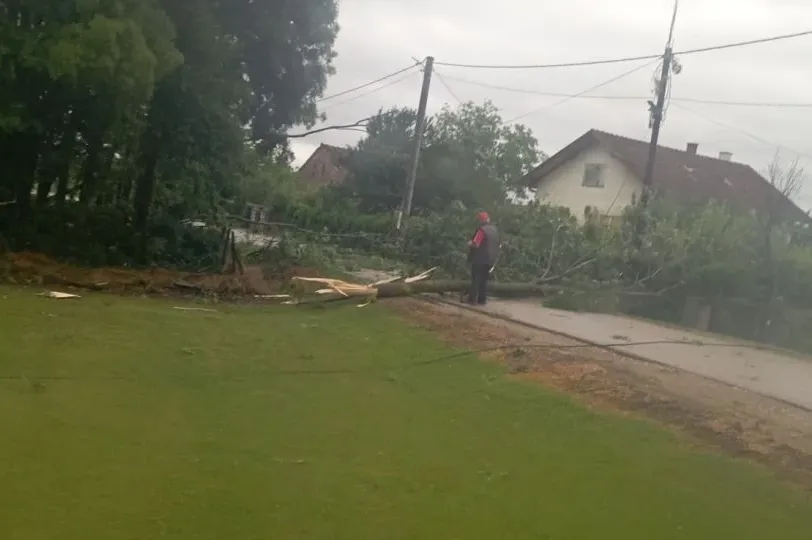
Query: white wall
563, 186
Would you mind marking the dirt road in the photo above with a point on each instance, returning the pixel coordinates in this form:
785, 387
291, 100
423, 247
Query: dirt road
734, 420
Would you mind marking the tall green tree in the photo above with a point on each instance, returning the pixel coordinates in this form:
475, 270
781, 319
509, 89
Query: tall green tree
469, 155
380, 161
260, 64
503, 153
70, 71
151, 106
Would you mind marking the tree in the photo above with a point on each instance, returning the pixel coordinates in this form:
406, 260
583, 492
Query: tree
380, 161
150, 106
469, 155
501, 153
285, 52
786, 182
72, 70
257, 63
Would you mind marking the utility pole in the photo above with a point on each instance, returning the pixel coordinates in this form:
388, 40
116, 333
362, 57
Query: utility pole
420, 126
657, 111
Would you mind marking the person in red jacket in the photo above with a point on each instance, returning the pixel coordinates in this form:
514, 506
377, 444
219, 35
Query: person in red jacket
483, 253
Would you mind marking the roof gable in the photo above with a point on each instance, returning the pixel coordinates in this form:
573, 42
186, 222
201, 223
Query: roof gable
325, 166
677, 173
333, 154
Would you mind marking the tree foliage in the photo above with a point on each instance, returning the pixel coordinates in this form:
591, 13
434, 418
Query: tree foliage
469, 155
153, 108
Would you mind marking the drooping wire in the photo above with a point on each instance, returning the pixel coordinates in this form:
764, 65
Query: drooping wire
370, 92
536, 92
533, 92
447, 87
579, 94
368, 84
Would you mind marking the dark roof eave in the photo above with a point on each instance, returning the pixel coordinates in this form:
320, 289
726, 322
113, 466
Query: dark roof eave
583, 142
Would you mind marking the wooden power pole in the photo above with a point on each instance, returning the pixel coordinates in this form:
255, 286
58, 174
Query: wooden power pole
657, 111
420, 126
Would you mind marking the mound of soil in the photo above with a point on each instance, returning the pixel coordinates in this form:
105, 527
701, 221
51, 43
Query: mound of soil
38, 269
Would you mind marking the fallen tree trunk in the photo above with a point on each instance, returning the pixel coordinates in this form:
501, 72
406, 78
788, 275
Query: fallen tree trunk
509, 290
334, 290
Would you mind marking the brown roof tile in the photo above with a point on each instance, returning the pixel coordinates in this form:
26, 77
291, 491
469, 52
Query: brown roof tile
677, 173
325, 166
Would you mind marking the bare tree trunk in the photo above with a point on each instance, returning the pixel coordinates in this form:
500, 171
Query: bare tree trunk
512, 290
25, 151
150, 149
786, 183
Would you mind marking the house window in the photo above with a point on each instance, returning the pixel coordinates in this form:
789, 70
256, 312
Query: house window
593, 175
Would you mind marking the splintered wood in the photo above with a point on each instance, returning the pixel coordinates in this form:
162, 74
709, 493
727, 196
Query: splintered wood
322, 290
336, 289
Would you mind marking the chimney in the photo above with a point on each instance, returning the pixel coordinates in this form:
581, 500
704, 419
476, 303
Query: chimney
725, 156
692, 148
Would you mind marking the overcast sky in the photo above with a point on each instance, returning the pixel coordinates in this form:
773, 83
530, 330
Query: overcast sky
378, 37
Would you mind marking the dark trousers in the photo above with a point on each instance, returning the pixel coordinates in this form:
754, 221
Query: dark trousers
480, 273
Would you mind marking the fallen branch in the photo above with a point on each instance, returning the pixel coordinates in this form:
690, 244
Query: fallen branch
551, 255
512, 290
566, 272
335, 290
640, 281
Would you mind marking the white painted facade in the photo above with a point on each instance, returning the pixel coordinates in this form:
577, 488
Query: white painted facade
564, 186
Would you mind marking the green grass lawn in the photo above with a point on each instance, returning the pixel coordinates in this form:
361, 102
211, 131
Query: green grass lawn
124, 418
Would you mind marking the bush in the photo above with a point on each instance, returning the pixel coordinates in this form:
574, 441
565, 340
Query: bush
106, 237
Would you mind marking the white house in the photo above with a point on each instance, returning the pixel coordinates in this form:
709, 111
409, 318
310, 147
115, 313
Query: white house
593, 180
603, 173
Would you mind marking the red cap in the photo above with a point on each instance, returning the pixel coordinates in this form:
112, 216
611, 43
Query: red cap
483, 217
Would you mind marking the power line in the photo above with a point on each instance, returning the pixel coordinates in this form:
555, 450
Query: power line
579, 94
745, 43
369, 92
532, 92
549, 66
370, 83
447, 87
744, 103
742, 131
628, 58
538, 92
